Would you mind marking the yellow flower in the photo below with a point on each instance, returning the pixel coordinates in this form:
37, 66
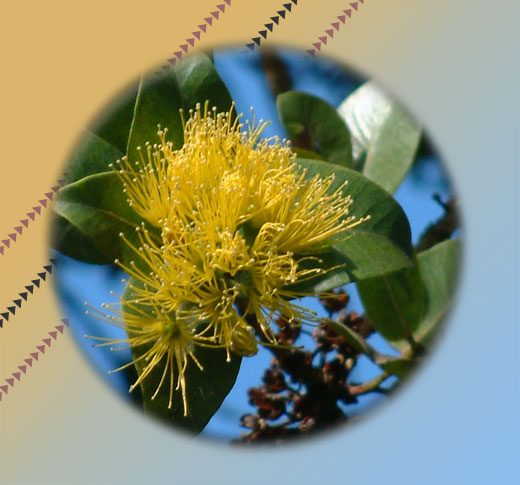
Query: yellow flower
166, 341
237, 217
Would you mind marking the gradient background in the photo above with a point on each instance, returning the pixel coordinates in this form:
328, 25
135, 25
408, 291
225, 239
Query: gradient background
455, 64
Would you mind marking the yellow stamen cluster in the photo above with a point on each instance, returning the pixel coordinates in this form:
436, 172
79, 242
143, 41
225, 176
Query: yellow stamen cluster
236, 218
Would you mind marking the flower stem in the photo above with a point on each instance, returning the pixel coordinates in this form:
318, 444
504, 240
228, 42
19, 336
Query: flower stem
370, 386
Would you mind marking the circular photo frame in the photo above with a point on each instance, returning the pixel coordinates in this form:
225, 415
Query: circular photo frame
256, 281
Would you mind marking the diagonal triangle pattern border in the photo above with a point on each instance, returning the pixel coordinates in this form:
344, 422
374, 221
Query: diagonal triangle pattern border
214, 15
346, 14
275, 20
19, 230
28, 361
18, 302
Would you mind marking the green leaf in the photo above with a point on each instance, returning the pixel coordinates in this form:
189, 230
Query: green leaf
413, 301
384, 135
158, 103
401, 367
114, 126
303, 153
364, 111
69, 241
205, 389
96, 206
199, 82
378, 246
394, 303
313, 124
94, 155
439, 267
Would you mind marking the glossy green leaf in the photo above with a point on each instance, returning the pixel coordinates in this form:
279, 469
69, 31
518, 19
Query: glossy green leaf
394, 302
96, 206
313, 124
158, 103
364, 111
439, 268
385, 137
413, 301
199, 82
206, 389
93, 155
114, 126
378, 246
71, 242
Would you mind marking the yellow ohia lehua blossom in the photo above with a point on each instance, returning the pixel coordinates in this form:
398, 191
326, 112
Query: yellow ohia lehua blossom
237, 218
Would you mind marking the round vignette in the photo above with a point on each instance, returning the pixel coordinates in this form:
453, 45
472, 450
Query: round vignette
245, 405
